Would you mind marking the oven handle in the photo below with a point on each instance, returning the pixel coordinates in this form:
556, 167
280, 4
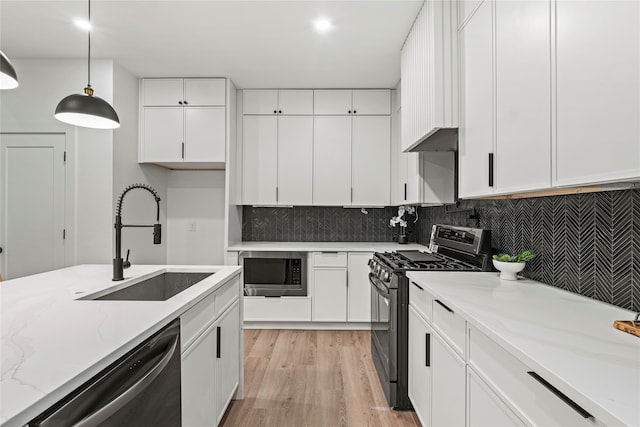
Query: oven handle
381, 289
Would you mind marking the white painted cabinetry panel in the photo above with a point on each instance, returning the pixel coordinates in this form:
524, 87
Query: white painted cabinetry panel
359, 288
260, 160
523, 95
227, 358
370, 165
329, 295
162, 92
332, 161
332, 102
295, 160
295, 101
274, 101
598, 91
371, 102
163, 129
486, 409
260, 101
420, 338
204, 92
476, 122
204, 135
448, 373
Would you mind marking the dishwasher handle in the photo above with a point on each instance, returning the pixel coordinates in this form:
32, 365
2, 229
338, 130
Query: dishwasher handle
128, 395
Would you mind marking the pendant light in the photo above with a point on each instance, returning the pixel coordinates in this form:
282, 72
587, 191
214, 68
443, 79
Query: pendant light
8, 76
87, 110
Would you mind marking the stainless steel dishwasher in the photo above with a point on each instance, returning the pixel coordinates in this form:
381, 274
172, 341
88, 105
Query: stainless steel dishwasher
142, 388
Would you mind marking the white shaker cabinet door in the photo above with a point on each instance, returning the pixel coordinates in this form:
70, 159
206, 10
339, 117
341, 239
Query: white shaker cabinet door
371, 164
162, 92
448, 402
227, 358
260, 101
598, 91
295, 160
332, 102
420, 339
295, 102
523, 95
163, 134
332, 161
476, 126
359, 288
204, 92
371, 102
260, 160
329, 295
198, 381
204, 134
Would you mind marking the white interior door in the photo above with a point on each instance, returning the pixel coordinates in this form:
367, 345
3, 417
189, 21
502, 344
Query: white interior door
32, 183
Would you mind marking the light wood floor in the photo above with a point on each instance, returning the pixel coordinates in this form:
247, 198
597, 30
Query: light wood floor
312, 378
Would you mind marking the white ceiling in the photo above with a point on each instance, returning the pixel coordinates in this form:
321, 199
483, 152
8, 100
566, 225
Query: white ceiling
269, 44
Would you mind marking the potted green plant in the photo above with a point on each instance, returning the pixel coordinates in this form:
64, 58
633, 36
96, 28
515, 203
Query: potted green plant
510, 265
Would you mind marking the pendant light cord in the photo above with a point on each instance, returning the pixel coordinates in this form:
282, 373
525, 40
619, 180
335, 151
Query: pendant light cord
89, 49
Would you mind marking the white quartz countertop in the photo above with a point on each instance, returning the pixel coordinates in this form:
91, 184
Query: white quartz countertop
52, 342
568, 339
325, 246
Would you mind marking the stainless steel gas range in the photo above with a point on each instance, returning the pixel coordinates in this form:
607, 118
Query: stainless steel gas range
452, 249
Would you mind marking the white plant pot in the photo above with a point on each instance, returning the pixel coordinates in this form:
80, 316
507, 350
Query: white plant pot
508, 270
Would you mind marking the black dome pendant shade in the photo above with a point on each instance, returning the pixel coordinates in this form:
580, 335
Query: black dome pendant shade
8, 76
87, 110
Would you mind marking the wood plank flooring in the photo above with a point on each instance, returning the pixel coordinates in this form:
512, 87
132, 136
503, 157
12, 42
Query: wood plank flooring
312, 378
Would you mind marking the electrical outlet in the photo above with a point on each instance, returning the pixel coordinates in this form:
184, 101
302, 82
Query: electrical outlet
192, 226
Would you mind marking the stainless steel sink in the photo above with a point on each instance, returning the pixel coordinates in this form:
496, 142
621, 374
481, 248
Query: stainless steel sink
157, 288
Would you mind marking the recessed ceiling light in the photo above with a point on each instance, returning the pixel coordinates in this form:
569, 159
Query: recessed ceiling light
81, 23
323, 25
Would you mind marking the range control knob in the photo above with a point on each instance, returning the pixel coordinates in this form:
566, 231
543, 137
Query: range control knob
385, 276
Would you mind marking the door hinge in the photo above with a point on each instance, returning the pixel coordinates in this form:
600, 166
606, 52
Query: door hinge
64, 234
64, 157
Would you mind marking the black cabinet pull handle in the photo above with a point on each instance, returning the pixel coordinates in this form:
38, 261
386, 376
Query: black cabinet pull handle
354, 111
279, 111
490, 169
218, 330
405, 191
427, 353
349, 111
182, 150
561, 395
185, 102
444, 306
180, 102
417, 286
275, 111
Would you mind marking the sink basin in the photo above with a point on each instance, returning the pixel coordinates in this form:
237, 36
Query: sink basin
157, 288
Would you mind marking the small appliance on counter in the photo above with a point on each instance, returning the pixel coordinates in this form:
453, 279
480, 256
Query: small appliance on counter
452, 249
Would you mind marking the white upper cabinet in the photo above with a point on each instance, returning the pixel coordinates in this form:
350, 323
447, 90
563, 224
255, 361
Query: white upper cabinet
370, 165
350, 102
429, 73
193, 92
523, 96
183, 122
332, 161
476, 145
260, 160
273, 101
598, 91
295, 160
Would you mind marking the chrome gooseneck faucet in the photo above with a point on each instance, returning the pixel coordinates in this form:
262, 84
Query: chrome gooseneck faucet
118, 264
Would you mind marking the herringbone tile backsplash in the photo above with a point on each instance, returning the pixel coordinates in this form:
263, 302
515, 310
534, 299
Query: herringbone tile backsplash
585, 243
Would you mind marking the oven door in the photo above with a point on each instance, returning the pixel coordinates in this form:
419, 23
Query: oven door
384, 329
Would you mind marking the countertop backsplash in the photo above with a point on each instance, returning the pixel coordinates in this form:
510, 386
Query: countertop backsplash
587, 243
320, 224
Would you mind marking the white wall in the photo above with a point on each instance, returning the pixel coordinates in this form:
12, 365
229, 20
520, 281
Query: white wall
139, 206
30, 108
195, 199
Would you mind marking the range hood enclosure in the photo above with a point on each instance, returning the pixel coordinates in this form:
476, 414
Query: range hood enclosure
438, 139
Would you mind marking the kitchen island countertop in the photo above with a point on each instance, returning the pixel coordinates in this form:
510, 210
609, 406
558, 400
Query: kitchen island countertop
267, 246
52, 342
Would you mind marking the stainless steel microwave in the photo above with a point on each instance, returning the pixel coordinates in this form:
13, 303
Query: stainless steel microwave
274, 274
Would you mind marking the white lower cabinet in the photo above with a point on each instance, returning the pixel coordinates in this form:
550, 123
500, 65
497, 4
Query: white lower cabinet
420, 366
358, 287
198, 381
211, 362
486, 409
448, 384
329, 295
227, 358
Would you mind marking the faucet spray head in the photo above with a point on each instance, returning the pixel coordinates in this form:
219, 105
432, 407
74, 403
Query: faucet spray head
157, 234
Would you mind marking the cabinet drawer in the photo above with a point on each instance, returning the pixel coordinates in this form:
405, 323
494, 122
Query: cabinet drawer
294, 309
510, 378
421, 300
227, 295
195, 320
450, 324
329, 259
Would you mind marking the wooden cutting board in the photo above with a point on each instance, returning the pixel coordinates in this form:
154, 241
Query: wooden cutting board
629, 326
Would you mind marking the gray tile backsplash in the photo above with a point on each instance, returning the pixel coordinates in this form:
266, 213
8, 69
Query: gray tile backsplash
585, 243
